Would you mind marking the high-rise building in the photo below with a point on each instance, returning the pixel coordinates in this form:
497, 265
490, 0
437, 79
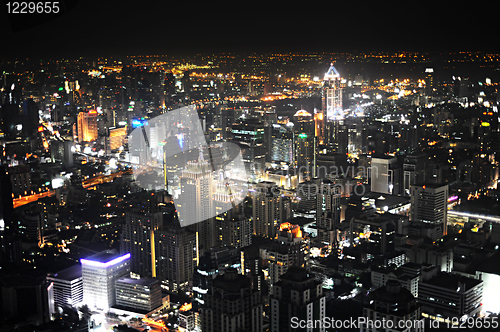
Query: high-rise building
385, 175
319, 127
248, 133
336, 129
117, 137
394, 304
327, 212
31, 227
99, 273
143, 295
197, 188
429, 81
290, 248
307, 193
7, 230
251, 267
177, 255
377, 230
450, 296
268, 213
87, 126
305, 144
20, 177
356, 132
298, 295
159, 246
328, 199
138, 239
413, 171
429, 204
280, 143
332, 95
233, 230
68, 286
232, 305
337, 136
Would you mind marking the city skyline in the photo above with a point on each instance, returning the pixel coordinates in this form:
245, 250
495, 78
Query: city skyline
205, 167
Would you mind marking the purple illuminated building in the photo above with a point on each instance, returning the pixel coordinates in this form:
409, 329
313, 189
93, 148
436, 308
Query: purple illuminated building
99, 272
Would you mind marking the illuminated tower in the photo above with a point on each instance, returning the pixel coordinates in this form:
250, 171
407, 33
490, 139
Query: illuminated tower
332, 95
305, 144
289, 249
87, 126
99, 272
197, 187
319, 130
429, 81
267, 210
355, 132
336, 131
327, 212
138, 239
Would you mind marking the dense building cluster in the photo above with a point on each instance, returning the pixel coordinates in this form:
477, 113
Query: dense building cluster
256, 192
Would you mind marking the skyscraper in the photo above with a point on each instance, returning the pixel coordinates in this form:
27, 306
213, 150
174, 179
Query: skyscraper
87, 126
327, 212
413, 171
7, 230
142, 294
305, 141
395, 304
281, 143
298, 295
385, 175
68, 286
177, 255
429, 204
138, 239
234, 229
290, 248
99, 273
159, 246
267, 211
197, 187
232, 305
332, 95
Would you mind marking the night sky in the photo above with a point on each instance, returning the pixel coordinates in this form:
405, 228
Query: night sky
91, 27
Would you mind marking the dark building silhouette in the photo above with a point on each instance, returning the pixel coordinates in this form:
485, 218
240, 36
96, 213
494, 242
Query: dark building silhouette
232, 305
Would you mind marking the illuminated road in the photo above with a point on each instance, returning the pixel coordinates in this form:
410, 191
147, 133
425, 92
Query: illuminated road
474, 215
17, 202
31, 198
100, 179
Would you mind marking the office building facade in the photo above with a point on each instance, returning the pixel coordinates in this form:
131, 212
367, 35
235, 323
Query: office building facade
99, 273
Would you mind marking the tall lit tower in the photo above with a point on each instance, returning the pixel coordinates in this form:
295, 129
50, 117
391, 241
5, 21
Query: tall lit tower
332, 95
87, 126
197, 187
99, 272
336, 131
305, 143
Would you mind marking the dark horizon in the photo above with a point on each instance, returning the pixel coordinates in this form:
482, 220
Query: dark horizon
111, 28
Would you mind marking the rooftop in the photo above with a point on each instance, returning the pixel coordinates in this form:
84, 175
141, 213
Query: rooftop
453, 282
69, 274
107, 257
141, 281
